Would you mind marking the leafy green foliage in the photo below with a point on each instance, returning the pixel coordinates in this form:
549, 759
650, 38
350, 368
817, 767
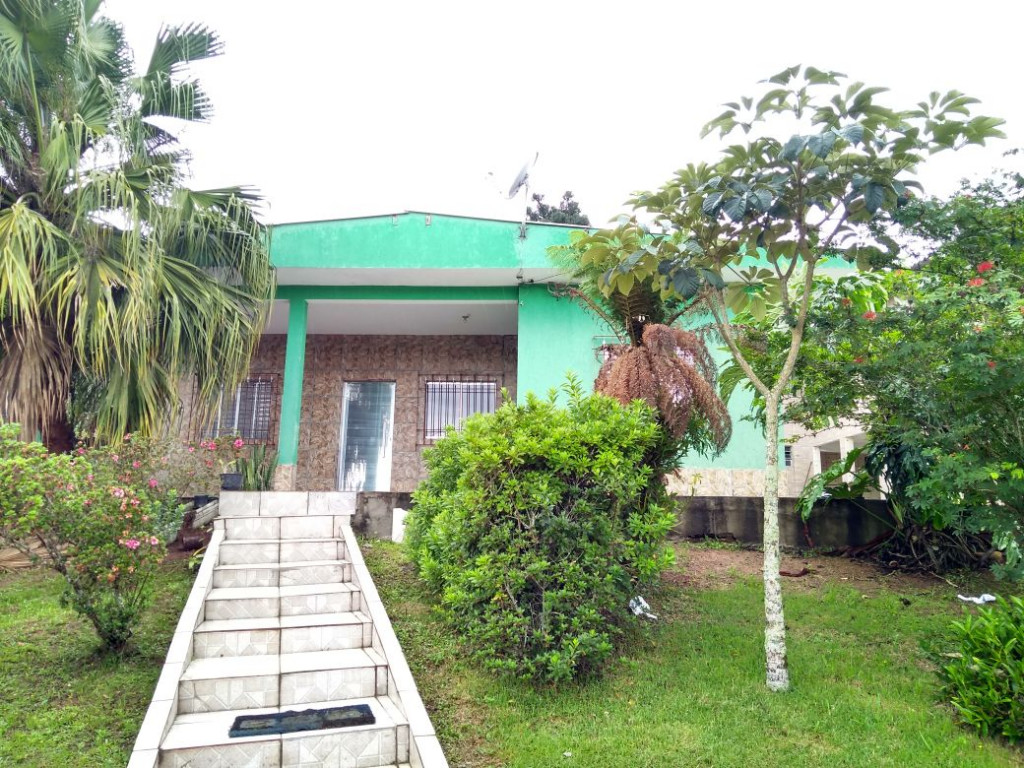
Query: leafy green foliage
793, 200
986, 680
935, 373
102, 517
117, 280
537, 524
257, 468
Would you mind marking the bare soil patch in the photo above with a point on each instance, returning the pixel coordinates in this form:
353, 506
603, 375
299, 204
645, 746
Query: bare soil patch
702, 566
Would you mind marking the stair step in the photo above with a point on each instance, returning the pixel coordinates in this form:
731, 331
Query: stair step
308, 678
276, 528
237, 575
289, 634
202, 739
226, 603
260, 551
237, 682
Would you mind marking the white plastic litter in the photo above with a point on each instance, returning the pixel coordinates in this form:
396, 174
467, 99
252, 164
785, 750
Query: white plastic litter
979, 600
639, 607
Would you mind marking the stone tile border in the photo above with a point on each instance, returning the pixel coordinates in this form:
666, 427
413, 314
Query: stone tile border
425, 750
164, 705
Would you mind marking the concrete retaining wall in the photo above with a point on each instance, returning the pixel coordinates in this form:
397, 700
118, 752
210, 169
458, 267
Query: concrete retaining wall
741, 518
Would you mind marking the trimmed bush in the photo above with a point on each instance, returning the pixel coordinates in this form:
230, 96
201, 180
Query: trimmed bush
537, 524
985, 683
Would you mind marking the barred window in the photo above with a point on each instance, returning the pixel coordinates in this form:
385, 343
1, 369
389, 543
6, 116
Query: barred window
247, 411
787, 455
448, 403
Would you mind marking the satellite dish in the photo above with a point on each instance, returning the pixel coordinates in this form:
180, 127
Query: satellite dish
523, 177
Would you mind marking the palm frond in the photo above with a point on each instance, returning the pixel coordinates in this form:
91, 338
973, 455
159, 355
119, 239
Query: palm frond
177, 46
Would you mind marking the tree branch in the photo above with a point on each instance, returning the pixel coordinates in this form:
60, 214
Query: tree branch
720, 313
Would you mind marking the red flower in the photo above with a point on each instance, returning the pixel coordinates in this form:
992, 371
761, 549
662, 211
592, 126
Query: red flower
870, 315
991, 363
845, 302
974, 282
985, 266
858, 359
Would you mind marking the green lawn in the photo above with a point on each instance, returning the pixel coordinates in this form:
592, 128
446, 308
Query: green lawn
61, 703
692, 692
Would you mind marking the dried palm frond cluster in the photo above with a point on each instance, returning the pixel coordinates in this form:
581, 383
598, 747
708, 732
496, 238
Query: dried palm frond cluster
672, 371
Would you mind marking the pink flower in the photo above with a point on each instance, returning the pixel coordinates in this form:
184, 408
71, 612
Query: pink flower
191, 449
985, 266
87, 502
152, 482
136, 465
212, 446
132, 544
869, 315
117, 493
239, 443
128, 436
975, 282
135, 502
153, 541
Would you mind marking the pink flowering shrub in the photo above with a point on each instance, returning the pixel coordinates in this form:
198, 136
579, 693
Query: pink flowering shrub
195, 468
103, 518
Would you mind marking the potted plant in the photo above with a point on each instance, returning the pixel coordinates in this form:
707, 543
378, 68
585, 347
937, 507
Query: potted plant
230, 476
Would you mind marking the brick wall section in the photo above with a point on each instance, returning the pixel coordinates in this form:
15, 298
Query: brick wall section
333, 360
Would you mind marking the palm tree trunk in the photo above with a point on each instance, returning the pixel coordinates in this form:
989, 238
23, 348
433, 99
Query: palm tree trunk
775, 623
59, 436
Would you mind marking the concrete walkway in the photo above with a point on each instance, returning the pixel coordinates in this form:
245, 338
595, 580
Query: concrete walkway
284, 617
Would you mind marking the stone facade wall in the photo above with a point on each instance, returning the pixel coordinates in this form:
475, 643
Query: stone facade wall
406, 360
333, 360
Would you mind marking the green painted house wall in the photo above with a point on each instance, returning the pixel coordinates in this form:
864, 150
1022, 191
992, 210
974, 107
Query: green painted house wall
557, 335
413, 240
421, 257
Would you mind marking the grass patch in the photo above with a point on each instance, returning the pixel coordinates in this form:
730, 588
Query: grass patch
61, 701
691, 693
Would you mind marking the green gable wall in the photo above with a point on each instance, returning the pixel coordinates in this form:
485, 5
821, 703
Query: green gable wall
408, 241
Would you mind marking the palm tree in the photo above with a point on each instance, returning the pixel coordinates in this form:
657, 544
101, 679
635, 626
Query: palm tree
667, 367
116, 280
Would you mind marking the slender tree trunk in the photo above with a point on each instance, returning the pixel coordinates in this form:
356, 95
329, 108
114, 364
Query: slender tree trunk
775, 623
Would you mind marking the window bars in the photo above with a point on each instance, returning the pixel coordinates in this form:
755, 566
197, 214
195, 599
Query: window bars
249, 411
449, 400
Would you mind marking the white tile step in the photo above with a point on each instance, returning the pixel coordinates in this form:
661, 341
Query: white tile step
189, 731
232, 666
277, 566
297, 590
272, 622
286, 663
322, 661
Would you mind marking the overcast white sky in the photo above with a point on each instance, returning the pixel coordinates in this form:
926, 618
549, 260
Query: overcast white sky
336, 108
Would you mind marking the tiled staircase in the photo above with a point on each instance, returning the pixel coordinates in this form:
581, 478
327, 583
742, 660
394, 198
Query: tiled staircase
286, 619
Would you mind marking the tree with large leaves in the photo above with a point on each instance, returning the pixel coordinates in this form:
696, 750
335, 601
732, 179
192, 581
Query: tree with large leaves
654, 360
746, 234
935, 378
116, 280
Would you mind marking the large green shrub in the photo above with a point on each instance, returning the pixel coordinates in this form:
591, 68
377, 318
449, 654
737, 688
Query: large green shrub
102, 516
537, 524
985, 682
